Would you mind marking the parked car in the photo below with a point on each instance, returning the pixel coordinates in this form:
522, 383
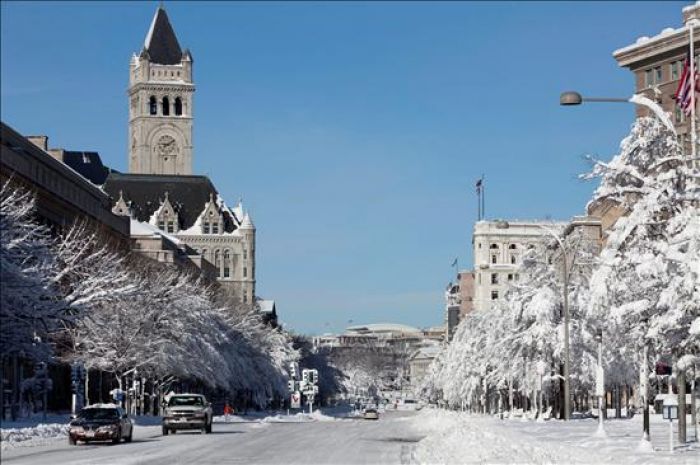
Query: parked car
371, 414
187, 411
100, 422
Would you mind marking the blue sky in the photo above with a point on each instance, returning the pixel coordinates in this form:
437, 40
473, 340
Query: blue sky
354, 131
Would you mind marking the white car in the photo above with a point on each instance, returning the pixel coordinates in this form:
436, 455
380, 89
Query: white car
187, 411
371, 414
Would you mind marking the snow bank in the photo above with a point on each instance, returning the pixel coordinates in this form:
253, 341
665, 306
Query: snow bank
233, 419
299, 417
458, 438
33, 435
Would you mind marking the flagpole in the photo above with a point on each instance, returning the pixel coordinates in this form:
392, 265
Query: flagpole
693, 130
478, 201
483, 197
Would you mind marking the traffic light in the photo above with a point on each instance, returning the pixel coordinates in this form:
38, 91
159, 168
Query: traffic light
290, 385
314, 376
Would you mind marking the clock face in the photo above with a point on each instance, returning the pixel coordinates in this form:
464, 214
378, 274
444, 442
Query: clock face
167, 146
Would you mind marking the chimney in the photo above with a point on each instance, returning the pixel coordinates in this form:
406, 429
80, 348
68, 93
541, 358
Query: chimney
56, 153
40, 141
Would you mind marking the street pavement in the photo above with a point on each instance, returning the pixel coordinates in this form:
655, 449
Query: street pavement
390, 440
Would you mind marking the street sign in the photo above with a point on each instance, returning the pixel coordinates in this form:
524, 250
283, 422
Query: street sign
296, 399
294, 370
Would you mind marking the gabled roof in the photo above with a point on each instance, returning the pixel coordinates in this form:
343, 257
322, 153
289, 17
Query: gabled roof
187, 194
161, 43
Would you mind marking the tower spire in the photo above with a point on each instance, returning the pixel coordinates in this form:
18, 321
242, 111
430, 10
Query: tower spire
161, 42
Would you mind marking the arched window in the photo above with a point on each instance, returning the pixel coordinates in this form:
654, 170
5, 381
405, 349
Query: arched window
166, 106
178, 106
152, 106
494, 246
217, 260
227, 263
513, 247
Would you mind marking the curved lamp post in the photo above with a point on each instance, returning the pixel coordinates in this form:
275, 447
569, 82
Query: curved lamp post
571, 97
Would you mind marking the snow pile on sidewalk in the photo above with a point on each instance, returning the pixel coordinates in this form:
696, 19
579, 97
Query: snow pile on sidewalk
460, 438
33, 435
299, 418
233, 419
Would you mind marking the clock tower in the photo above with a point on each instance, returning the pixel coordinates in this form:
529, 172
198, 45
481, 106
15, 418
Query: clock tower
160, 103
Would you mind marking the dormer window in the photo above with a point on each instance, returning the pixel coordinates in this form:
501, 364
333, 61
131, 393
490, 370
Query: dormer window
211, 218
165, 217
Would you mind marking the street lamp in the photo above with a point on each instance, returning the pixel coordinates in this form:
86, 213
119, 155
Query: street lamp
565, 297
570, 98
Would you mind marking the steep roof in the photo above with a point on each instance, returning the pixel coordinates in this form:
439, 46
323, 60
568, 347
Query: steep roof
89, 164
187, 194
161, 43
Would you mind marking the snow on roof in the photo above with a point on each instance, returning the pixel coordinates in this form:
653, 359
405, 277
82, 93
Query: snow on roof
110, 405
237, 211
139, 228
427, 352
383, 328
153, 220
645, 40
266, 306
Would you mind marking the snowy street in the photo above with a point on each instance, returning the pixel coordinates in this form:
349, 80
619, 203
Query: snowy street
399, 437
357, 441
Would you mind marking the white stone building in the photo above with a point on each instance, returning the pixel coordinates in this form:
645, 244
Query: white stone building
160, 188
498, 248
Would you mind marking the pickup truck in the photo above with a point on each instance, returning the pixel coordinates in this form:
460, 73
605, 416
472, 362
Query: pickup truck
187, 411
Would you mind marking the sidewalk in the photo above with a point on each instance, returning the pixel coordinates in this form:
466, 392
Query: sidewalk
459, 438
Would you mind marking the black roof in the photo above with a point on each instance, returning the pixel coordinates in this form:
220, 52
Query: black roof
187, 194
163, 47
88, 164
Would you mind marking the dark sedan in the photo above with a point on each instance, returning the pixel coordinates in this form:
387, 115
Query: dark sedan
102, 422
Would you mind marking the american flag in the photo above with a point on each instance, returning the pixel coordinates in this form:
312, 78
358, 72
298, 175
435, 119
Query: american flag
687, 87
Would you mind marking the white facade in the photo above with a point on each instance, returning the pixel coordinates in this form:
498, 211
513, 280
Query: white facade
498, 248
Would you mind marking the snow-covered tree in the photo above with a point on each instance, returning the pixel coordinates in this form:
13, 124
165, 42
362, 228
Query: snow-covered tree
29, 301
646, 283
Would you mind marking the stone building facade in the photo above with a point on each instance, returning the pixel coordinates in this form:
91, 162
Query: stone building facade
161, 94
657, 65
498, 248
63, 196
